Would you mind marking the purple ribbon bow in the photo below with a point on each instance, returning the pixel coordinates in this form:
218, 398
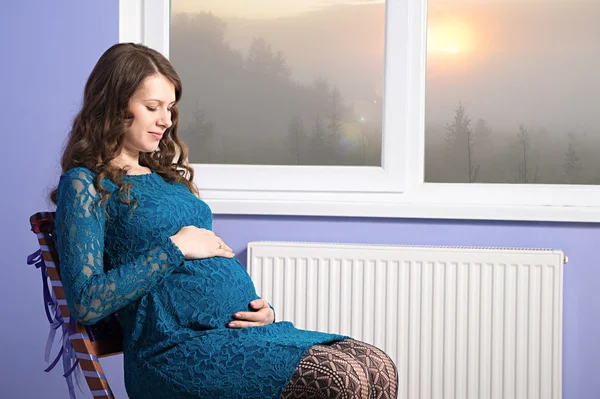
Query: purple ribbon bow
67, 352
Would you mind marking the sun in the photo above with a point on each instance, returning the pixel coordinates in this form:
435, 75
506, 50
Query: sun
450, 36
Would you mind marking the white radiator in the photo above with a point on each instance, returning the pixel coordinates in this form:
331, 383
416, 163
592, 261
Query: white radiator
460, 323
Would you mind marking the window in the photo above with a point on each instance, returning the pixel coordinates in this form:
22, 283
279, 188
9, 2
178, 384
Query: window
508, 92
287, 85
378, 143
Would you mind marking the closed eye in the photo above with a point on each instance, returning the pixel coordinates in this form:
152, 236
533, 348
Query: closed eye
154, 109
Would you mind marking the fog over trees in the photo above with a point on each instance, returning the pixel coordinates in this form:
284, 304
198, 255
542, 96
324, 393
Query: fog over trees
307, 90
247, 108
460, 153
520, 104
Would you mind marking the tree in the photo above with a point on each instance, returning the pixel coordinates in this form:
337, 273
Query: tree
198, 136
320, 95
334, 124
296, 136
262, 61
203, 29
482, 131
523, 141
572, 166
363, 147
319, 146
460, 142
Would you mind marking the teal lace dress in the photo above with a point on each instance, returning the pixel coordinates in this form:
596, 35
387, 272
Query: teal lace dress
173, 312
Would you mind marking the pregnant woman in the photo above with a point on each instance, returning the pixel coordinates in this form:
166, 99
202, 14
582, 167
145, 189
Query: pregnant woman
134, 237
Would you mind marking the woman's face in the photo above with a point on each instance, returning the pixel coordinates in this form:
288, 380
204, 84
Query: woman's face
151, 108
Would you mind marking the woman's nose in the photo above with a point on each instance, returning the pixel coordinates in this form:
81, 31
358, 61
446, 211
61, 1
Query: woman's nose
165, 120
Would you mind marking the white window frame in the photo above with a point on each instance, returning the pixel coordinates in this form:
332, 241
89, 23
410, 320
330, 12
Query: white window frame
397, 189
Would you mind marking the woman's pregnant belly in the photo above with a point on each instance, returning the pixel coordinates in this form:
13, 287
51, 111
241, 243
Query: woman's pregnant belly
205, 294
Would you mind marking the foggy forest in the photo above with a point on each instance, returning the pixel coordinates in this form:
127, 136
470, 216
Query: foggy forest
255, 91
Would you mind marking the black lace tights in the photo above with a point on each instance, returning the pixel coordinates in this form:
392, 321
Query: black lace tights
344, 370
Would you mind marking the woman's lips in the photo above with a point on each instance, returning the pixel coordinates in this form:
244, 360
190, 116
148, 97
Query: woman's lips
157, 136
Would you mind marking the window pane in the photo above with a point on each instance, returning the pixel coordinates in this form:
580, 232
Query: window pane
512, 91
284, 83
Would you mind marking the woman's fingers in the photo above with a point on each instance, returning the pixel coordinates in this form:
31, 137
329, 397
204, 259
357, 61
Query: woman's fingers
222, 249
257, 317
224, 253
226, 247
243, 324
259, 304
249, 319
221, 244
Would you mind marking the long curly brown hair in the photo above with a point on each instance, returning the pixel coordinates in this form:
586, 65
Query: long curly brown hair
98, 131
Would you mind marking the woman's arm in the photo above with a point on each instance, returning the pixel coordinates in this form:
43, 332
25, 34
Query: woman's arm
91, 293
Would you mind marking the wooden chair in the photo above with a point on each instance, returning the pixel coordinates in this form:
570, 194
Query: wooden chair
85, 344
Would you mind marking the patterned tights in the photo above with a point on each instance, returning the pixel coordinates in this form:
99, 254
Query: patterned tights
344, 370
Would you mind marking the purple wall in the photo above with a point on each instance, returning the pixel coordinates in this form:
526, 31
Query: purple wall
48, 49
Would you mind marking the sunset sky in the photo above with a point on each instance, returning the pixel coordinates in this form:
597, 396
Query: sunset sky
508, 61
260, 9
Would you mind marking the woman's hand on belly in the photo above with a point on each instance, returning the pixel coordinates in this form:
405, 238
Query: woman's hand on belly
262, 315
197, 243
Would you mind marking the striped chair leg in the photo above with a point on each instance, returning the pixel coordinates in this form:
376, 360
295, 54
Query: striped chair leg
89, 363
84, 349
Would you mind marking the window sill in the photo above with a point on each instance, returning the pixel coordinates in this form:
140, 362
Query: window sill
392, 206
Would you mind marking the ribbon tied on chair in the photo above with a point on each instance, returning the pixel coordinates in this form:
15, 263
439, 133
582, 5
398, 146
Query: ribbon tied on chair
52, 309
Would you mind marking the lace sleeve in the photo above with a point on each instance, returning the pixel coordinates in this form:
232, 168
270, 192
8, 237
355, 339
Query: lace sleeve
92, 293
